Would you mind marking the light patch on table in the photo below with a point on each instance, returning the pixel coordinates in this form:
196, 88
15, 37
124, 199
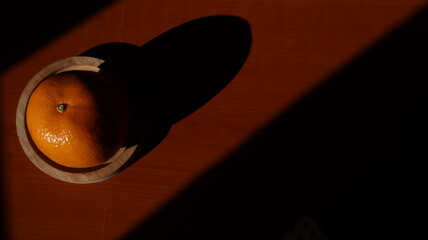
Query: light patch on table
305, 229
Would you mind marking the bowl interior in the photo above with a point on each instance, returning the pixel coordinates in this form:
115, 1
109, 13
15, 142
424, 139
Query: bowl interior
74, 175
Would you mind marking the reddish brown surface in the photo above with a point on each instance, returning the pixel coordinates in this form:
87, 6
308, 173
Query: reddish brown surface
296, 45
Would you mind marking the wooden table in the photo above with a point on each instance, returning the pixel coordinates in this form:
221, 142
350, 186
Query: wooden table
314, 127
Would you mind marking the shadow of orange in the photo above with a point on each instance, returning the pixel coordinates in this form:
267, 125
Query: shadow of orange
176, 73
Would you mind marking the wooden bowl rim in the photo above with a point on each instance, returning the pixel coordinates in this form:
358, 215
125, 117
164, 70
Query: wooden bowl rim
111, 168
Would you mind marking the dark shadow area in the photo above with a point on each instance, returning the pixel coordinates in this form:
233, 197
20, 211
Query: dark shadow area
349, 155
176, 73
27, 26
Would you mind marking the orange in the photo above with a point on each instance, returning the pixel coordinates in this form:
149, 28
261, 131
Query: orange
78, 119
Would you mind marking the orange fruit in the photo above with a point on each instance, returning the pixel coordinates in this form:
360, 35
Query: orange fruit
78, 119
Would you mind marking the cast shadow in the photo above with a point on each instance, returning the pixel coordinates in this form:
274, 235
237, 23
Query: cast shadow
348, 155
27, 27
176, 73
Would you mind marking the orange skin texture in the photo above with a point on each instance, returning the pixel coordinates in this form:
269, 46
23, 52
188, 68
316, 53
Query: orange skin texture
93, 125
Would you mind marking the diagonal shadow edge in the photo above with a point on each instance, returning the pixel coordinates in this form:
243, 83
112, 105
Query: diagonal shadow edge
347, 155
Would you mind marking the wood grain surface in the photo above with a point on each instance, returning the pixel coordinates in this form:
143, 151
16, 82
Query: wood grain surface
216, 173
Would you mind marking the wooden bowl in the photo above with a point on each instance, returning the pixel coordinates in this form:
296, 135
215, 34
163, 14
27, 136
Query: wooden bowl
73, 175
